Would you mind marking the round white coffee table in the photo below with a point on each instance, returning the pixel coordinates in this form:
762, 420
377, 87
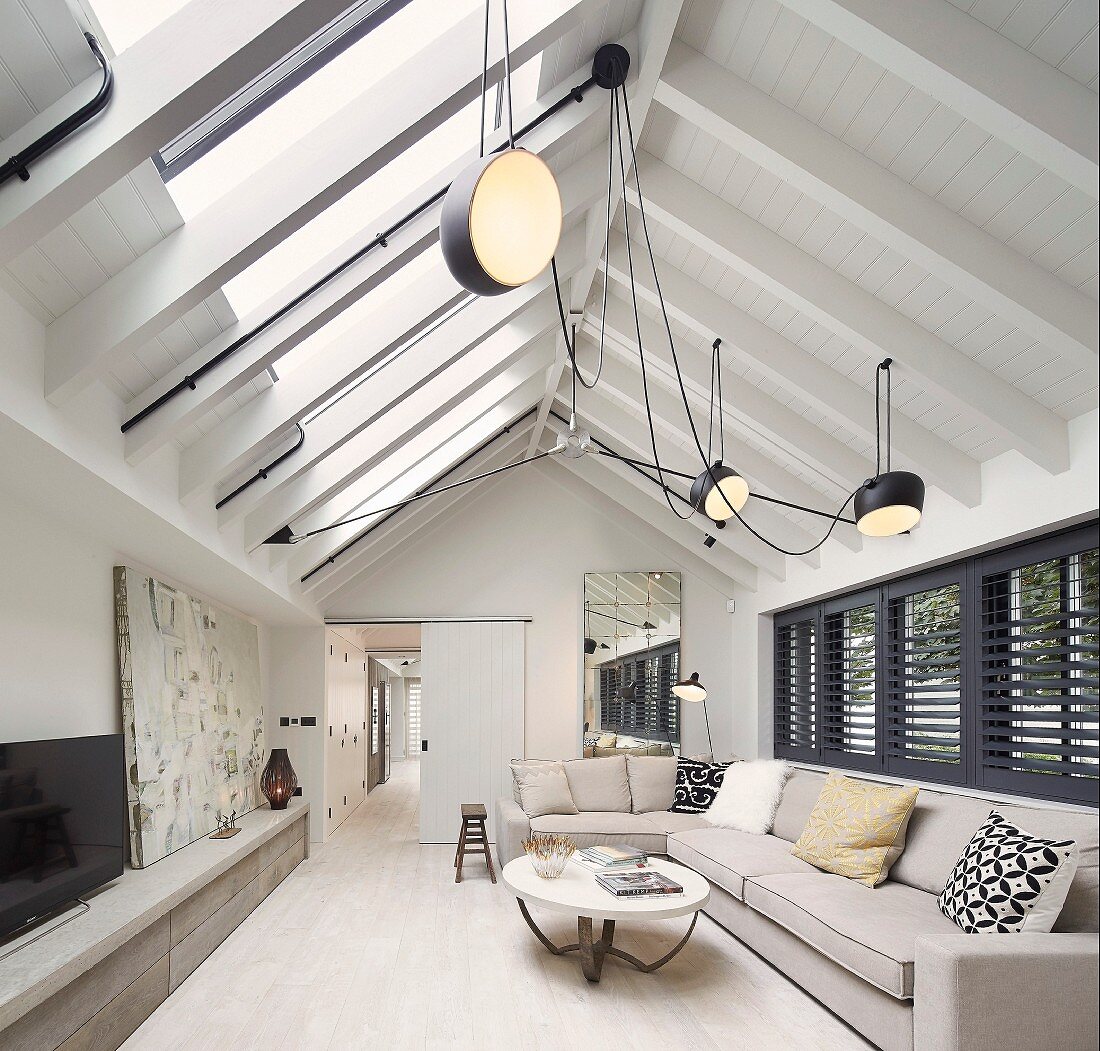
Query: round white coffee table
576, 893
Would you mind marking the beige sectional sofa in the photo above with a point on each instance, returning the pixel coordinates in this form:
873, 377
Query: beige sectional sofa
886, 960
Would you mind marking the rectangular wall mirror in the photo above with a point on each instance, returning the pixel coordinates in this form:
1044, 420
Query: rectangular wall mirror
631, 663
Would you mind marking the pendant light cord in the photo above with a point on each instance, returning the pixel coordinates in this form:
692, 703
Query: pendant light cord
507, 78
484, 80
884, 366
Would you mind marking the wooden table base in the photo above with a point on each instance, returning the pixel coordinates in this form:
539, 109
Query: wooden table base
592, 952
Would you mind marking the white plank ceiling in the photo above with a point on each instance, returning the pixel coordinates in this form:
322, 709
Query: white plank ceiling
851, 96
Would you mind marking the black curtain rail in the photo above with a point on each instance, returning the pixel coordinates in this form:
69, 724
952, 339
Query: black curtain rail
21, 162
425, 491
264, 471
575, 94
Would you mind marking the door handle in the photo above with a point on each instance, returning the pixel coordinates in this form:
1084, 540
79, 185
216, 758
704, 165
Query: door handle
355, 739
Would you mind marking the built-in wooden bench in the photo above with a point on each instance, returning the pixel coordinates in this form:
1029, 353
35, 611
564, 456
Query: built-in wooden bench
92, 982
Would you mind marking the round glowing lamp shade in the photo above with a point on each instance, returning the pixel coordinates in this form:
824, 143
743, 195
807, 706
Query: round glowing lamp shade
719, 492
690, 689
890, 504
501, 222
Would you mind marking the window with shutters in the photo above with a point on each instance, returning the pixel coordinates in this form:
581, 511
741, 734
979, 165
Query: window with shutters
412, 706
849, 686
636, 696
1037, 719
982, 673
795, 687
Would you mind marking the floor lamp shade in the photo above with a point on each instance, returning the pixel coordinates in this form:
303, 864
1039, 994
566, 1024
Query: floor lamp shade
501, 221
690, 689
278, 782
719, 492
890, 504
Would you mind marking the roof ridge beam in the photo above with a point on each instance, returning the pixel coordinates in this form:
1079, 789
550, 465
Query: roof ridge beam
870, 325
879, 202
976, 72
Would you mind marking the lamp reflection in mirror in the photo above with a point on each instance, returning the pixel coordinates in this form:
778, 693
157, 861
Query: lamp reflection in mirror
719, 492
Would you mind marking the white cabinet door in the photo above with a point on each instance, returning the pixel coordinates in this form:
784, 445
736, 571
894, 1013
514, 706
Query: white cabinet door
345, 745
472, 718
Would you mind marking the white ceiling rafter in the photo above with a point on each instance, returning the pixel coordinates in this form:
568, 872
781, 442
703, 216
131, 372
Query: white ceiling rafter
244, 223
836, 302
655, 31
792, 368
879, 202
976, 72
347, 290
215, 49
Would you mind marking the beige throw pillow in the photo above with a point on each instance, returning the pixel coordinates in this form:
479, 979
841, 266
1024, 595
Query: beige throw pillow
652, 782
856, 828
599, 784
543, 789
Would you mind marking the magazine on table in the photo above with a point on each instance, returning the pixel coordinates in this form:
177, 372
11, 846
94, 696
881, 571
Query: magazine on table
644, 883
606, 856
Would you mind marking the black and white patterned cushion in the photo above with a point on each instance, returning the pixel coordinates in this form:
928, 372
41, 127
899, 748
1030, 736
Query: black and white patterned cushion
697, 784
1008, 880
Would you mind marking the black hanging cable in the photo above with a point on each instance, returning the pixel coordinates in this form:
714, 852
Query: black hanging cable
508, 75
484, 80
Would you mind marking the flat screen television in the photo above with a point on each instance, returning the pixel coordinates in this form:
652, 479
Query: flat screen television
62, 822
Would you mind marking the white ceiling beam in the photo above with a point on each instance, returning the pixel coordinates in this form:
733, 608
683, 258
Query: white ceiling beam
579, 185
584, 482
402, 527
229, 446
816, 383
243, 224
611, 413
499, 355
432, 454
628, 490
882, 204
766, 419
422, 360
976, 72
656, 26
170, 78
869, 324
620, 390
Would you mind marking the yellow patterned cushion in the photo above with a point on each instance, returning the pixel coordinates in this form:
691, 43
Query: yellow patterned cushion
856, 828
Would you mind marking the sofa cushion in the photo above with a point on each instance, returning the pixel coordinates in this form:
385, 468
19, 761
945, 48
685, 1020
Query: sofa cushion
799, 796
523, 764
599, 784
749, 794
873, 933
543, 789
726, 856
652, 782
671, 822
598, 829
697, 783
857, 828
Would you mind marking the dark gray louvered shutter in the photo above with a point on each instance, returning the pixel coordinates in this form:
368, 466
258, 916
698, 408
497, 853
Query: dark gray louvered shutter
849, 682
796, 730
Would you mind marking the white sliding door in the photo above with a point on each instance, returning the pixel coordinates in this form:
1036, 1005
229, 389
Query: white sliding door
472, 718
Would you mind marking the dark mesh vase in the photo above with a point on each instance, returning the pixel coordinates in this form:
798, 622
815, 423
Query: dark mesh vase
278, 781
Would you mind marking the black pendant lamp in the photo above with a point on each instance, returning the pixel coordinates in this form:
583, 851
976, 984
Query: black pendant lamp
893, 501
501, 218
719, 492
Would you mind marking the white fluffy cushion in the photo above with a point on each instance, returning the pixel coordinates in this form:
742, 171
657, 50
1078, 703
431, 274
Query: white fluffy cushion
749, 796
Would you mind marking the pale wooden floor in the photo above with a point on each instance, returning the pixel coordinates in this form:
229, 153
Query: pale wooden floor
370, 944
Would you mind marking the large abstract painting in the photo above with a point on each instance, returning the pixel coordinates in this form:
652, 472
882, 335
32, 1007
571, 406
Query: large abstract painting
191, 711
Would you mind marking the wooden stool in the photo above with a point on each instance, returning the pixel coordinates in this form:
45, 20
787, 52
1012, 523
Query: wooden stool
473, 831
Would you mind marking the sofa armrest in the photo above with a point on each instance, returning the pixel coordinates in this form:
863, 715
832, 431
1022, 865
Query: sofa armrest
513, 827
991, 991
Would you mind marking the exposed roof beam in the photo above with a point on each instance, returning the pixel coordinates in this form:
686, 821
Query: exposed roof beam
612, 415
879, 202
579, 185
584, 481
244, 223
630, 491
869, 324
501, 354
765, 418
432, 454
976, 72
816, 383
403, 527
395, 320
166, 81
619, 388
656, 26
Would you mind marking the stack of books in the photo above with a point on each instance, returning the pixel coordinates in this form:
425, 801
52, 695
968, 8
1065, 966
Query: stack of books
610, 859
648, 883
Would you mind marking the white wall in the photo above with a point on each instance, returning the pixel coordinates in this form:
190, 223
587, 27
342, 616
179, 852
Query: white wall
1019, 500
522, 549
